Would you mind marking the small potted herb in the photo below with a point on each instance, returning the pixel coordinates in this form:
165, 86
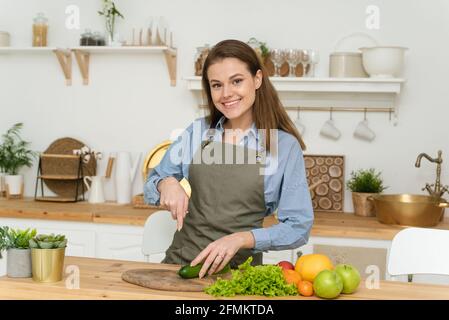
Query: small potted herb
364, 184
47, 257
16, 244
14, 154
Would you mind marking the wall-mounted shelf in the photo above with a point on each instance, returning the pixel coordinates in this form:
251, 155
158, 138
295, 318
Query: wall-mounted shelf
63, 55
368, 93
82, 55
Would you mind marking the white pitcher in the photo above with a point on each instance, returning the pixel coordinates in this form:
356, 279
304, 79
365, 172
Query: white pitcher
96, 192
124, 176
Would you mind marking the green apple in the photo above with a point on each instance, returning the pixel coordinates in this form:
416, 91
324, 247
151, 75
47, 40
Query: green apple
350, 277
327, 284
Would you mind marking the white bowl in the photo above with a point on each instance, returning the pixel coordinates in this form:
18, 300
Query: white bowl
383, 62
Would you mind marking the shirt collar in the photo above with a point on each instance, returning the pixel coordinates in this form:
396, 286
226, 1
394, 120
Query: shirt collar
252, 130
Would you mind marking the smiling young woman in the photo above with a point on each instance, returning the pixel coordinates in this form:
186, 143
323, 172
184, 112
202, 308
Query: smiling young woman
222, 221
234, 75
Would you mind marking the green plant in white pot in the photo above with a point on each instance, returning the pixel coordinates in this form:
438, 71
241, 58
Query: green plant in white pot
47, 257
16, 244
365, 183
14, 155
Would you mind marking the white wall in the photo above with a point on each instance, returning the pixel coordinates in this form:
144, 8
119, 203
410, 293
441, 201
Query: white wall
129, 104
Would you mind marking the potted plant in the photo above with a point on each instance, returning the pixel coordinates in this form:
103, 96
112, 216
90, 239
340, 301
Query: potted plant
110, 12
47, 257
16, 244
14, 154
363, 184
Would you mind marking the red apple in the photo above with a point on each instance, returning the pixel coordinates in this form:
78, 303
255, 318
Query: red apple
286, 265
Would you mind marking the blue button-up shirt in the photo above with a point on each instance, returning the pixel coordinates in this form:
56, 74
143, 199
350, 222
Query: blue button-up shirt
286, 188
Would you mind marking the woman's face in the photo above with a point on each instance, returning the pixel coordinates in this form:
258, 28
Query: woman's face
233, 88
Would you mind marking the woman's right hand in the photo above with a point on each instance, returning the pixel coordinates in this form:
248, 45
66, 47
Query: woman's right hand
174, 199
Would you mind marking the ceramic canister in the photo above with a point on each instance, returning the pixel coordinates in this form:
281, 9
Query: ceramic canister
346, 65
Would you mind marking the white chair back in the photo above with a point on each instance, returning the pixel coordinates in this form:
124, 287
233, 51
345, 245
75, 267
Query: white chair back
158, 234
419, 251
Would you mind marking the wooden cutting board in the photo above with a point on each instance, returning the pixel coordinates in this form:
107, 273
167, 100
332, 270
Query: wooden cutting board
168, 280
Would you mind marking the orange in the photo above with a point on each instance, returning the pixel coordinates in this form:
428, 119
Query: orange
300, 261
291, 276
305, 288
309, 265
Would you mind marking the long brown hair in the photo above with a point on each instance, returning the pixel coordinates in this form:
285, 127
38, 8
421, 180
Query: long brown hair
268, 112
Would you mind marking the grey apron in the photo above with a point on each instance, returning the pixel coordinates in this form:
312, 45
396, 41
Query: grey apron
225, 198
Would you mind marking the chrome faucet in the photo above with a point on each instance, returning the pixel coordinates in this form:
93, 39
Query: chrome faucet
437, 190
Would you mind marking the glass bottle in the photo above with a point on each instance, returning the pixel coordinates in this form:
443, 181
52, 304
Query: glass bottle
40, 29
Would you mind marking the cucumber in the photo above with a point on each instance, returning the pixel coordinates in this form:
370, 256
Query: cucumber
188, 272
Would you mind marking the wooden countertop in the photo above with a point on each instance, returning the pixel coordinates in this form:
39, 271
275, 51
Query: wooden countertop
326, 224
79, 211
101, 279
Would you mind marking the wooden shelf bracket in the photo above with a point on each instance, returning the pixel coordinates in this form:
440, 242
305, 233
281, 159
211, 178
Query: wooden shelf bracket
171, 58
65, 61
82, 58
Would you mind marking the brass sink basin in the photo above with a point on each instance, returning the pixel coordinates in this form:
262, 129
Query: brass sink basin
409, 209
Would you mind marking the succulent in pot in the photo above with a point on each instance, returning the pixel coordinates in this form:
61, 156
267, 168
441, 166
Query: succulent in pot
51, 241
365, 183
47, 257
16, 244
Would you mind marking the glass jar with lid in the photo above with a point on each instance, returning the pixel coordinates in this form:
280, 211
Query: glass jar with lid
98, 39
86, 37
40, 30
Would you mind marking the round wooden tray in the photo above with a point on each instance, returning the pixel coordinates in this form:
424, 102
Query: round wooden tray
65, 188
154, 158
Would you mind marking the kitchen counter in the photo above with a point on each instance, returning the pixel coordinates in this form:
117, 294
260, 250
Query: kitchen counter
76, 211
101, 279
326, 224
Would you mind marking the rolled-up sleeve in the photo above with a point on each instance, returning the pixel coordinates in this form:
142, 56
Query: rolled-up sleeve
171, 165
295, 212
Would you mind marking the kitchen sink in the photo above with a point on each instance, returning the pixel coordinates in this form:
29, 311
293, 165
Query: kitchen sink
409, 209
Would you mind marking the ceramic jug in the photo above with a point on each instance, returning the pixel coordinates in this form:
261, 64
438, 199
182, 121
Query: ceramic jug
124, 176
96, 192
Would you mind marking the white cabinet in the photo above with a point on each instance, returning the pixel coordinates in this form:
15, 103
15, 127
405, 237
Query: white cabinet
80, 242
370, 257
273, 257
120, 246
365, 254
123, 242
95, 240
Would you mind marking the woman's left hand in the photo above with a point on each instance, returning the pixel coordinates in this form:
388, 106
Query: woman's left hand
218, 253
